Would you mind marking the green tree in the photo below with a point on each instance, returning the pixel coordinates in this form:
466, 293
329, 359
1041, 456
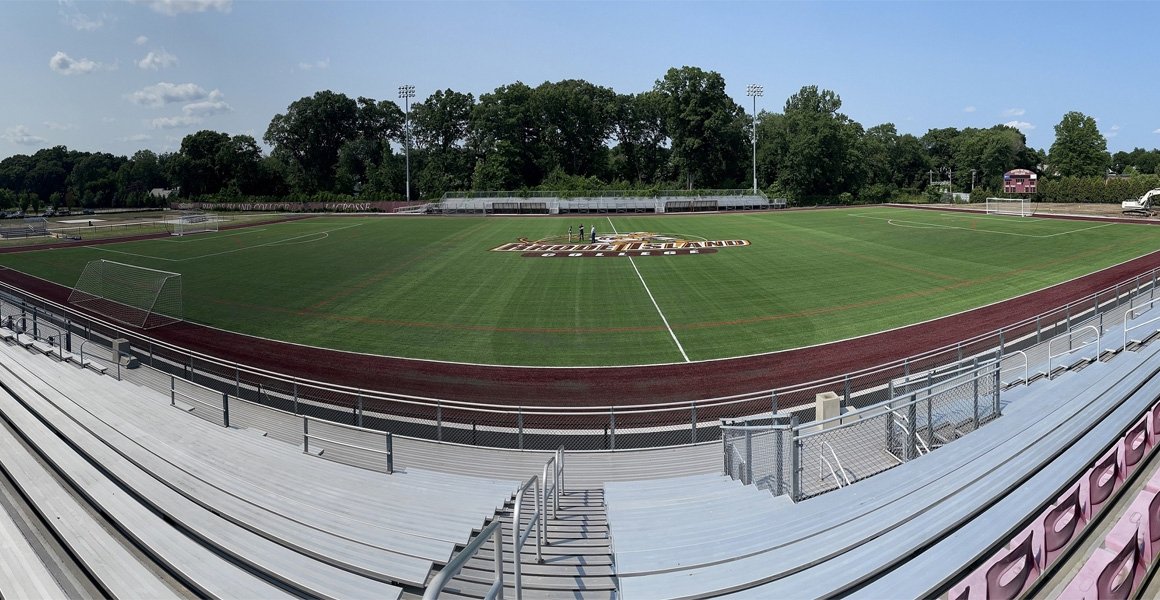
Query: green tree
640, 154
1079, 150
575, 119
310, 134
506, 136
705, 126
440, 126
818, 153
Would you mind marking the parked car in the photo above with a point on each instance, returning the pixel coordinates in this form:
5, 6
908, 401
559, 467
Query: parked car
89, 211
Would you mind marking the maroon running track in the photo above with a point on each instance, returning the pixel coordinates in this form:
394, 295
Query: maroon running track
620, 386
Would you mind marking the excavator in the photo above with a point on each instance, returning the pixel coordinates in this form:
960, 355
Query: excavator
1142, 207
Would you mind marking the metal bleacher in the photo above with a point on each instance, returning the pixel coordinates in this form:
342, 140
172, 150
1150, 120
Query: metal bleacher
243, 527
603, 203
156, 498
862, 539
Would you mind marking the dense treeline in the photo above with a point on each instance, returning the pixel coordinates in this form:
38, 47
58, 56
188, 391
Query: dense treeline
685, 132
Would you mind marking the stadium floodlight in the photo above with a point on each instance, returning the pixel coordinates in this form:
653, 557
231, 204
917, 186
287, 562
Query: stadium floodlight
754, 91
406, 92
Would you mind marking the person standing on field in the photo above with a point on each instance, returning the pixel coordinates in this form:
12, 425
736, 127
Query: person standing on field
569, 233
594, 233
581, 238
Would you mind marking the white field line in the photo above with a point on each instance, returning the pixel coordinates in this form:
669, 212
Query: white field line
212, 237
925, 225
273, 243
654, 300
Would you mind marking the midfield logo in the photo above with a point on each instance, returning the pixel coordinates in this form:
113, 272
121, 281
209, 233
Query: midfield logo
636, 243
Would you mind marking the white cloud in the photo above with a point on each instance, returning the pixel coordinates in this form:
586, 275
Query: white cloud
137, 137
1014, 112
1156, 131
20, 135
1113, 131
176, 7
78, 20
157, 60
108, 119
167, 93
141, 40
318, 64
173, 122
1023, 126
66, 65
214, 104
969, 109
53, 125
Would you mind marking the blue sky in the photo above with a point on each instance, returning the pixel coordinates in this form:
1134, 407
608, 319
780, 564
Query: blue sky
125, 75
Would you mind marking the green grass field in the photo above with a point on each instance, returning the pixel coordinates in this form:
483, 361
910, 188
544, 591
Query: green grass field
430, 288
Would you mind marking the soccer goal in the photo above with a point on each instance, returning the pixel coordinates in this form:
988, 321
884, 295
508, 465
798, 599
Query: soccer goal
129, 294
1009, 206
192, 221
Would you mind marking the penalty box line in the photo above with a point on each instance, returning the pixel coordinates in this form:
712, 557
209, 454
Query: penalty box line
654, 300
926, 225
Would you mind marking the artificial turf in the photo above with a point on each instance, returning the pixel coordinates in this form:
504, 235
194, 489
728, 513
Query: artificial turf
429, 287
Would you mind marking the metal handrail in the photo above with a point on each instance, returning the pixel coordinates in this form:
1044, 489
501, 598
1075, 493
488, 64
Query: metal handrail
389, 452
553, 492
1026, 365
1131, 314
557, 484
520, 536
1070, 335
173, 394
455, 565
832, 472
813, 428
898, 423
841, 469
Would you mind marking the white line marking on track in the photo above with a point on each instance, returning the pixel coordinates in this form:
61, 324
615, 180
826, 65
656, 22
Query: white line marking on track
654, 300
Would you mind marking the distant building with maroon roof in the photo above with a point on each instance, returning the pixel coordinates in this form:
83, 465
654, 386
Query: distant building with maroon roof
1020, 181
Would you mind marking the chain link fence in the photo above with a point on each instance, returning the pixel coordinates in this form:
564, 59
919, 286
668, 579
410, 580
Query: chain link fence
805, 460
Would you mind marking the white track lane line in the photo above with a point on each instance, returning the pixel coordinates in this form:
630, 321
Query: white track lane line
654, 300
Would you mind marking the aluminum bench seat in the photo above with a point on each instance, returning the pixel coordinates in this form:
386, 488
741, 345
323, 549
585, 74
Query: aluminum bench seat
22, 573
400, 561
290, 568
116, 568
871, 499
276, 471
849, 552
184, 443
875, 505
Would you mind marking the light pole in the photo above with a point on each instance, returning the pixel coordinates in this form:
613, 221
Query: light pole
972, 181
406, 92
754, 91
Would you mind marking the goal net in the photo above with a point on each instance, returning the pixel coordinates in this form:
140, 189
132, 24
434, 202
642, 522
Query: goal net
191, 221
1009, 206
129, 294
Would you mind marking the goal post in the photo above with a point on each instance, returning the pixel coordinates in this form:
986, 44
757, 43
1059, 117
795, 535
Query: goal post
1009, 206
187, 222
136, 296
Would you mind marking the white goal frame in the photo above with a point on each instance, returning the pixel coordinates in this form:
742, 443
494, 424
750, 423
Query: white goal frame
192, 221
136, 296
1010, 206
